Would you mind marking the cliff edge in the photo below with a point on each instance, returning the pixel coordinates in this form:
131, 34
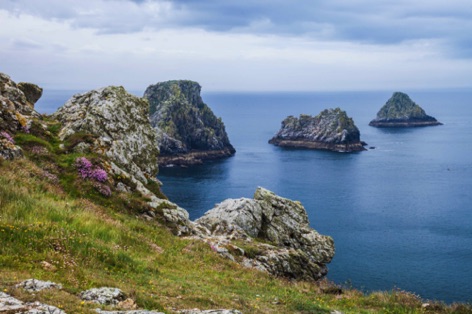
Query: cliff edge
187, 130
331, 130
400, 111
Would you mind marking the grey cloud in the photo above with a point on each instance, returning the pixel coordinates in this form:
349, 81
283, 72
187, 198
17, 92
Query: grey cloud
365, 21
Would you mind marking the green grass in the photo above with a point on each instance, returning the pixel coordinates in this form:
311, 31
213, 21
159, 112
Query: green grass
93, 241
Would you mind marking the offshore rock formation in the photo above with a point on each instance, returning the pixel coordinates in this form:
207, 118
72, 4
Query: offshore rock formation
331, 130
400, 111
113, 123
187, 130
290, 247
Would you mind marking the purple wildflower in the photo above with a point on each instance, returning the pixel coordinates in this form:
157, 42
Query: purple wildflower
84, 166
7, 137
86, 170
99, 174
39, 150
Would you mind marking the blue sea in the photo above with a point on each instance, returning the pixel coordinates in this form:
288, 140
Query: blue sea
400, 214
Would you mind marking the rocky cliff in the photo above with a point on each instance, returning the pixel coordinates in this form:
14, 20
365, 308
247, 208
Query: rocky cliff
187, 130
115, 124
16, 113
401, 111
331, 130
286, 246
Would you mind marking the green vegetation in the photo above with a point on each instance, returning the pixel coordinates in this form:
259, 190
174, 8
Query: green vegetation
56, 226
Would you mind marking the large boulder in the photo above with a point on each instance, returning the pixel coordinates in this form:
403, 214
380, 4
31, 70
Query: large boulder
188, 132
331, 130
119, 124
17, 104
288, 247
401, 111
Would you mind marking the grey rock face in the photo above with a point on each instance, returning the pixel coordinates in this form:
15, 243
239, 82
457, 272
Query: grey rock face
8, 150
33, 285
105, 295
293, 249
16, 109
119, 122
185, 124
32, 91
332, 130
9, 304
401, 111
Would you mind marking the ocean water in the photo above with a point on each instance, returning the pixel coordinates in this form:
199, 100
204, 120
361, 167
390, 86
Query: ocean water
400, 214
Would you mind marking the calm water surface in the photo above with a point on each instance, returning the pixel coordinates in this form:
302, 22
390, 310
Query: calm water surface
400, 214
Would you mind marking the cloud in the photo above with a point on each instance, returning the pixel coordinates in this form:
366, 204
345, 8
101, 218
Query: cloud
245, 45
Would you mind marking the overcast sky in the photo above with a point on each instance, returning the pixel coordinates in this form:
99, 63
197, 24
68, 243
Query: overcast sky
238, 45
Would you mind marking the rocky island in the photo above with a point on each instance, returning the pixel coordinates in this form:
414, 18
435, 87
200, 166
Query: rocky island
400, 111
330, 130
187, 130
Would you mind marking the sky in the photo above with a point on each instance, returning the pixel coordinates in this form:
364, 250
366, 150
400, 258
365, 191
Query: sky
237, 45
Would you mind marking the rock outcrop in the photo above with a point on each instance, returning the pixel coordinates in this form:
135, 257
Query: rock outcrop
187, 130
400, 111
9, 304
34, 285
17, 104
113, 123
331, 130
285, 244
118, 126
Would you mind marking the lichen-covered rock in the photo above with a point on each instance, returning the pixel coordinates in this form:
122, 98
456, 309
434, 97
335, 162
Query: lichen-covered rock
291, 249
8, 150
119, 124
104, 295
331, 130
16, 108
9, 304
187, 130
401, 111
34, 285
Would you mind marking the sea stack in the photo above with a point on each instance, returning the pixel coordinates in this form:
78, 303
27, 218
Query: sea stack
188, 132
400, 111
330, 130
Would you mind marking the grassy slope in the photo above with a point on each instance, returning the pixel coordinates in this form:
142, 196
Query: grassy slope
92, 241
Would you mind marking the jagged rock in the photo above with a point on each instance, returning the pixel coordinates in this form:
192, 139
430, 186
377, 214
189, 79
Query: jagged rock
198, 311
119, 124
104, 295
16, 109
293, 249
32, 91
187, 130
33, 285
173, 216
9, 304
401, 111
331, 130
8, 150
